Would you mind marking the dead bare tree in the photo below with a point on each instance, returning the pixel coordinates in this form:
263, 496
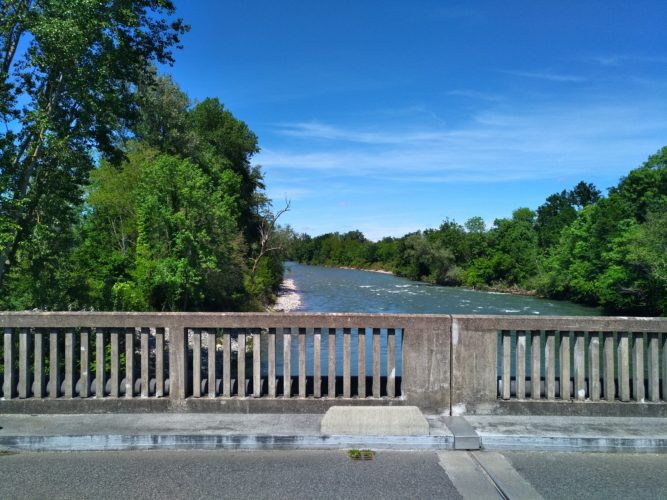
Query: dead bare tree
266, 229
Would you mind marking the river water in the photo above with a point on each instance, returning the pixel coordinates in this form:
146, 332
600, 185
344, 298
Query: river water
325, 289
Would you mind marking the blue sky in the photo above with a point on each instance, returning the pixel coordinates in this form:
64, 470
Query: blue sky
389, 116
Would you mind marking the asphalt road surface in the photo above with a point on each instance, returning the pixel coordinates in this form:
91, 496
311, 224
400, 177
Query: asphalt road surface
329, 474
222, 474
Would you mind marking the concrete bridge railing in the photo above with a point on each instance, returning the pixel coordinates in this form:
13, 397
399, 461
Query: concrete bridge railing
100, 362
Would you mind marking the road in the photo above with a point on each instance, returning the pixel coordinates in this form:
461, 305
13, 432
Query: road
328, 474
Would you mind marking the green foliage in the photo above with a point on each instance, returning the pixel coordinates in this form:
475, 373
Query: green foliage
172, 227
68, 71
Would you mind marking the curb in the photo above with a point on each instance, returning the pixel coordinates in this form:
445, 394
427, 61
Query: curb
210, 442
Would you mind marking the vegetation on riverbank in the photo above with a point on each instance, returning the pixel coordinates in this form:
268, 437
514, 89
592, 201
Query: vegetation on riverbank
579, 245
116, 191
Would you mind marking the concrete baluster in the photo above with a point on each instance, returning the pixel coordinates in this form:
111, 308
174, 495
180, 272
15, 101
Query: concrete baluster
302, 362
100, 371
505, 364
594, 365
521, 365
638, 367
376, 363
287, 362
579, 366
609, 374
536, 368
54, 365
346, 363
129, 361
212, 349
24, 363
272, 362
361, 362
317, 362
84, 365
195, 334
40, 378
653, 367
331, 363
240, 363
144, 336
391, 363
256, 364
9, 359
550, 364
115, 363
226, 363
565, 389
69, 364
159, 362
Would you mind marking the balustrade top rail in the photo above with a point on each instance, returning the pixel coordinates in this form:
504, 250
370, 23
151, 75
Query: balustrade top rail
325, 320
209, 320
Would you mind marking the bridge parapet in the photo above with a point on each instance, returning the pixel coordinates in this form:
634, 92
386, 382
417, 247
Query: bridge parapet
82, 362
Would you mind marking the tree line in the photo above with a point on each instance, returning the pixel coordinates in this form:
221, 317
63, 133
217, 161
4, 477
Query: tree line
116, 191
608, 251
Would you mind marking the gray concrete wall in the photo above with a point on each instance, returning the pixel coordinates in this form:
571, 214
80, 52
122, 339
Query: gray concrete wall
449, 362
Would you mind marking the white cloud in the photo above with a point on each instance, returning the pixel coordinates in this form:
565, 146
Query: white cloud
474, 94
534, 142
619, 59
546, 75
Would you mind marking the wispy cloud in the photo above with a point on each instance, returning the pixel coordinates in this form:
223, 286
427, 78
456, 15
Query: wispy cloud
546, 75
537, 142
619, 59
474, 94
327, 132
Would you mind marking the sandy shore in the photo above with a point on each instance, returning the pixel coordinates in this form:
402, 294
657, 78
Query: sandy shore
288, 297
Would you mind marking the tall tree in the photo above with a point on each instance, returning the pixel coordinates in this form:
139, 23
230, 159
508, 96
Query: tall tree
68, 74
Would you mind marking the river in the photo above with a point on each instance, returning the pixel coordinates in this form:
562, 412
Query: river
326, 289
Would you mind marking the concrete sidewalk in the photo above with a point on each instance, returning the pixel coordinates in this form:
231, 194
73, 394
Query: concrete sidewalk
303, 431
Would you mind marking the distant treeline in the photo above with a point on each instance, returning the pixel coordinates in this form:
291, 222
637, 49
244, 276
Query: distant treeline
608, 251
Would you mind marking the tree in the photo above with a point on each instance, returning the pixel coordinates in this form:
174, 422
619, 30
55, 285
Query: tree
584, 194
648, 252
552, 216
267, 230
644, 189
163, 117
225, 145
68, 74
475, 225
512, 255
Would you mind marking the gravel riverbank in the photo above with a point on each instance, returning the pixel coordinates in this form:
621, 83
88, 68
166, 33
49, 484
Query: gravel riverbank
288, 297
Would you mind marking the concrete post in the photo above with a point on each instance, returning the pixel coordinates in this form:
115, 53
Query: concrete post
474, 365
426, 363
178, 363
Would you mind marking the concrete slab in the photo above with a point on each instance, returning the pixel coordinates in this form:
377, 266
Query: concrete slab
161, 424
467, 476
374, 421
194, 431
636, 434
465, 437
505, 477
282, 431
